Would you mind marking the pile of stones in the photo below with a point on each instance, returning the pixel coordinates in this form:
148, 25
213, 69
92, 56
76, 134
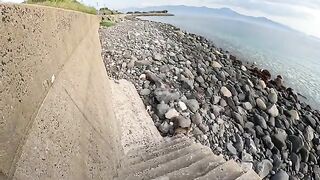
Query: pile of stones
190, 86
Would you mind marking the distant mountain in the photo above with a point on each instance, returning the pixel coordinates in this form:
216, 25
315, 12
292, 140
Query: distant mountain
205, 11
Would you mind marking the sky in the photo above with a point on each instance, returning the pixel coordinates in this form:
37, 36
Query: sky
302, 15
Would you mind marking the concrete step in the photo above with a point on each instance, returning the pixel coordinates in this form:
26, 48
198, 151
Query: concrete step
173, 165
144, 156
250, 175
153, 147
197, 169
227, 171
157, 160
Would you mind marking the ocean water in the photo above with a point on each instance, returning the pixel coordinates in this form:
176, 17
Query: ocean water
291, 54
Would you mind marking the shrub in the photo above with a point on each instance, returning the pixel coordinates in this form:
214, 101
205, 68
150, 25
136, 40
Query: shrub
65, 4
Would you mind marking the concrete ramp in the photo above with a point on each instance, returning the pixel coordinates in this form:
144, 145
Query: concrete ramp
56, 118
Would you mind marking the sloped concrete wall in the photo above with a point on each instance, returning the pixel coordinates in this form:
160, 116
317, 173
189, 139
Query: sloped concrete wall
56, 120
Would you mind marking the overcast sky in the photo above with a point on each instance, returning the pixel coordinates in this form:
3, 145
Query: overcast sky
303, 15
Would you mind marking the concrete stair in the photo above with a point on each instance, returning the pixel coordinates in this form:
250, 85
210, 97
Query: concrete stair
179, 159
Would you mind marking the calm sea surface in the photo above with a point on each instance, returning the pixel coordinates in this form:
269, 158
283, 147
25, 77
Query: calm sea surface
293, 55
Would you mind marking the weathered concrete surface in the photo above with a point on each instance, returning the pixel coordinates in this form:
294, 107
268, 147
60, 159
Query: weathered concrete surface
136, 126
56, 119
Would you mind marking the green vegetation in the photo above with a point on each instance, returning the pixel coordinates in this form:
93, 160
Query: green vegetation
107, 23
65, 4
107, 11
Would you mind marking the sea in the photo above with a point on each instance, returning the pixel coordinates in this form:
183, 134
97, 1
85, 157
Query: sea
286, 52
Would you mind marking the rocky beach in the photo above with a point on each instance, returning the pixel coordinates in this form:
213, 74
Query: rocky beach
191, 87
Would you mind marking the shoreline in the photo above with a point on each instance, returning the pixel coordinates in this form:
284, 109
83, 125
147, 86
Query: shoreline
189, 86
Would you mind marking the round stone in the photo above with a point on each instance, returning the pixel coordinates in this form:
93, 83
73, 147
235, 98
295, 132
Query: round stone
215, 64
294, 115
273, 97
182, 106
273, 111
261, 104
225, 92
247, 106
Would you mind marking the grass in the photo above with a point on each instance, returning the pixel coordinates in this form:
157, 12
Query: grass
65, 4
106, 23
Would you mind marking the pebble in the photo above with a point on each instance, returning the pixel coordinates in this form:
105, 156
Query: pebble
294, 115
182, 122
193, 105
162, 108
225, 92
280, 175
196, 118
145, 92
247, 106
215, 64
264, 168
273, 111
218, 99
279, 138
309, 133
171, 113
231, 149
273, 97
261, 104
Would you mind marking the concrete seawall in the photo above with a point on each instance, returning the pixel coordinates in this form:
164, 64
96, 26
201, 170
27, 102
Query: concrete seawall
56, 121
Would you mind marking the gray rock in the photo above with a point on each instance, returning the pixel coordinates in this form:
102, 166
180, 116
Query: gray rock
273, 97
273, 111
164, 68
200, 80
182, 106
231, 149
215, 64
279, 138
140, 63
247, 106
261, 104
162, 108
165, 95
294, 115
268, 142
187, 83
164, 127
157, 57
193, 105
225, 92
223, 103
238, 118
215, 99
260, 121
264, 168
246, 157
145, 92
308, 133
187, 73
280, 175
239, 145
182, 122
153, 78
295, 159
297, 143
203, 128
196, 118
171, 113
